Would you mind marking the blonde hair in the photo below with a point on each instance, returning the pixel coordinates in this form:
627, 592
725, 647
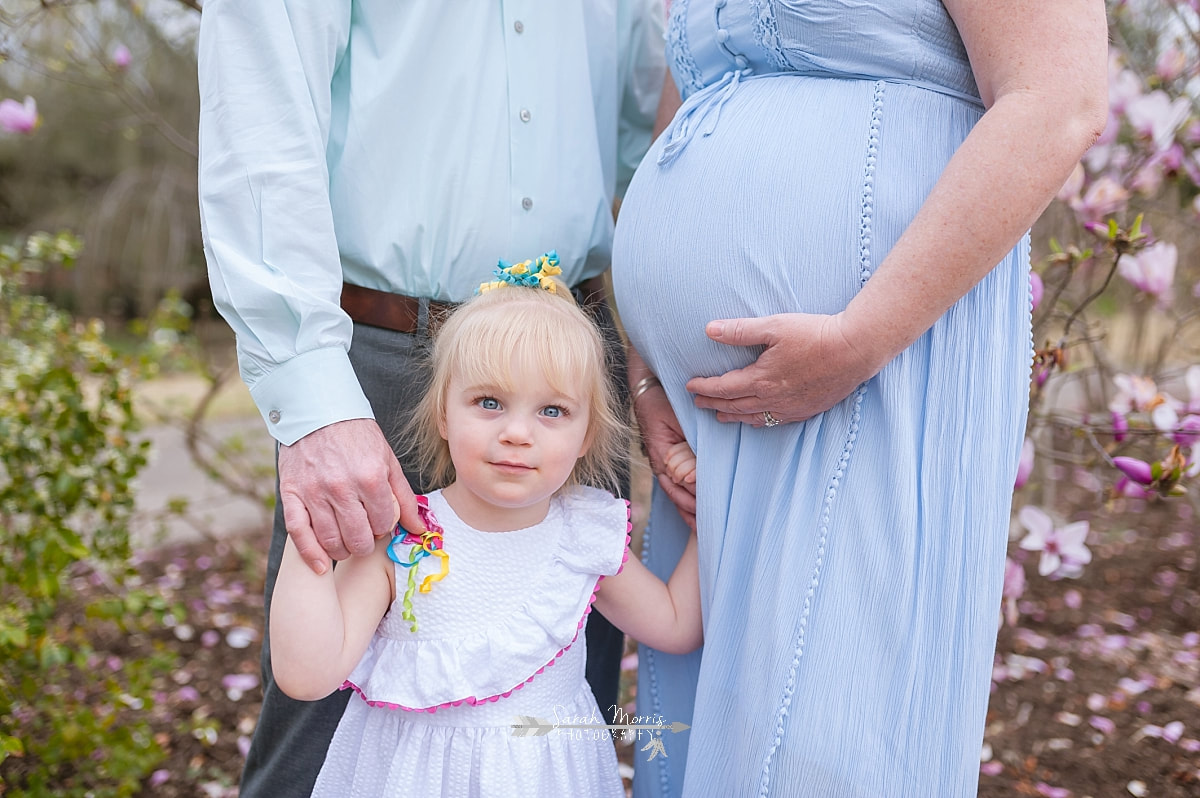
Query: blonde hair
478, 342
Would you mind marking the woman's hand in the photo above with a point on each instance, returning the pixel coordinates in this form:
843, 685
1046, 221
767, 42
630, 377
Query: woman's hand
808, 365
662, 436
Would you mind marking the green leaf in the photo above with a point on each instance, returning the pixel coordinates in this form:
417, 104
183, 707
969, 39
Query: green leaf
10, 746
1135, 232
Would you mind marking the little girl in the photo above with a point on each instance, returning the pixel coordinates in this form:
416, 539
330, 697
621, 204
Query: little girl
451, 633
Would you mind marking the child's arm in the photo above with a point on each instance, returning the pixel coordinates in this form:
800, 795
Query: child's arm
663, 616
321, 625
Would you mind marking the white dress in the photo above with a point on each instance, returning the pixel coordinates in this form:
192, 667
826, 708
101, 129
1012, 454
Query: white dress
500, 638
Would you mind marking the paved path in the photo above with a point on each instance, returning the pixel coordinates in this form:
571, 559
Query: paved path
213, 510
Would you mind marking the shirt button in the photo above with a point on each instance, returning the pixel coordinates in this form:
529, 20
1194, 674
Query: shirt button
722, 35
740, 61
525, 115
519, 26
274, 415
527, 203
720, 4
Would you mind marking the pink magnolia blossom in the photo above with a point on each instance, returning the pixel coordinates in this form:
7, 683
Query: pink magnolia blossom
1064, 550
1184, 431
1164, 417
1014, 588
19, 117
238, 684
1191, 378
1070, 189
1137, 470
1171, 159
1103, 197
1124, 86
1112, 129
1036, 289
1134, 393
1152, 271
1014, 579
187, 694
1170, 733
1024, 465
1120, 157
1171, 63
121, 57
1156, 116
1187, 433
1099, 154
1148, 180
1120, 426
1191, 134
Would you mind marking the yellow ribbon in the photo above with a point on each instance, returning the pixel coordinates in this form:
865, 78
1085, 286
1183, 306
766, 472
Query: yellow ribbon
427, 583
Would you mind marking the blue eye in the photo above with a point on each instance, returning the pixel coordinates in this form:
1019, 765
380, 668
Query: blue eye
553, 411
488, 403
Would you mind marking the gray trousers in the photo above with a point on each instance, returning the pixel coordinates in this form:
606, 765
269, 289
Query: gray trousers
290, 741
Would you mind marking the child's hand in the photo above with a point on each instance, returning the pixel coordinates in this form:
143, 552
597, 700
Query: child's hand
680, 464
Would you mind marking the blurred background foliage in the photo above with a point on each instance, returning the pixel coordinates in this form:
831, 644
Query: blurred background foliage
114, 158
110, 155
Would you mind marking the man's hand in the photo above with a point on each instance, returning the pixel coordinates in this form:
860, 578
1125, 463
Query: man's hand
342, 487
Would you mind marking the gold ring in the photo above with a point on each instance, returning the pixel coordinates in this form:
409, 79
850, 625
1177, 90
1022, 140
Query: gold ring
768, 419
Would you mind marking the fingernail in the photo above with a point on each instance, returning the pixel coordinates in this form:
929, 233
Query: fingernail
320, 568
716, 329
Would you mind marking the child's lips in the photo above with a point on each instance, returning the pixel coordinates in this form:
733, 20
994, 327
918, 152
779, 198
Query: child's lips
512, 467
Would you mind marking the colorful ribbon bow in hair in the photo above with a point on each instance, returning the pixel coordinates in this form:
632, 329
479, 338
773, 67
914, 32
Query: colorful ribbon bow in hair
534, 274
427, 543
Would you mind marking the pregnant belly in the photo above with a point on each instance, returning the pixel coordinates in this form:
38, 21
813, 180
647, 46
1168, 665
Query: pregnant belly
795, 196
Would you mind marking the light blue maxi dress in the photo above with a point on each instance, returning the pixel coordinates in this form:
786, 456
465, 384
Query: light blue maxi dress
851, 566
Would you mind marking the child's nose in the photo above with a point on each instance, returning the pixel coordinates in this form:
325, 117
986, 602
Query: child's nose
516, 430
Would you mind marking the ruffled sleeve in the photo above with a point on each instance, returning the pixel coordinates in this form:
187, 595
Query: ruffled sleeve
408, 672
596, 532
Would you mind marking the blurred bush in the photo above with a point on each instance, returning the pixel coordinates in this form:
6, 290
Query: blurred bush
71, 723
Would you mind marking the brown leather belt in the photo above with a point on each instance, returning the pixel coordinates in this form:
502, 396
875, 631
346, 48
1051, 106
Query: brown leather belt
402, 314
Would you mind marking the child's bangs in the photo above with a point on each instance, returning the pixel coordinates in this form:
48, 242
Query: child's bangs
524, 337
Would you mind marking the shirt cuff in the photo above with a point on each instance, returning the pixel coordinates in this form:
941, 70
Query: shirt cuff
312, 390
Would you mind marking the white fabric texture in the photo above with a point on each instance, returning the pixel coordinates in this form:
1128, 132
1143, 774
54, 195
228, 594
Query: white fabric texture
497, 624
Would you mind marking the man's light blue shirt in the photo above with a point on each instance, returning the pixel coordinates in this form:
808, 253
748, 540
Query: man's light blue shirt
404, 146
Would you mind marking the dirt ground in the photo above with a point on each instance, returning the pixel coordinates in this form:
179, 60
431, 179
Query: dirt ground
1097, 693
